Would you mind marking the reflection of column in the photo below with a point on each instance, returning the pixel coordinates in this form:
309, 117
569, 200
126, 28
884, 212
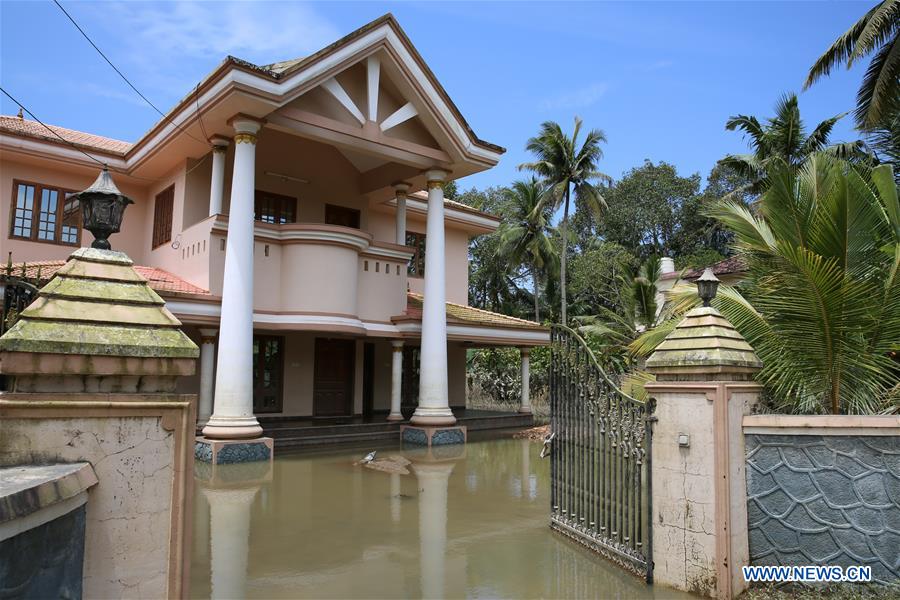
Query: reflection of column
229, 522
400, 190
525, 406
396, 380
233, 416
207, 365
395, 497
433, 480
217, 180
526, 469
434, 406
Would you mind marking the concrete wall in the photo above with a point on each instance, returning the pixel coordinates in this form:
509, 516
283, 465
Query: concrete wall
142, 457
824, 496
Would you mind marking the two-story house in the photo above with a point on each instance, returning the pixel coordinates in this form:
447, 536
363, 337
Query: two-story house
292, 217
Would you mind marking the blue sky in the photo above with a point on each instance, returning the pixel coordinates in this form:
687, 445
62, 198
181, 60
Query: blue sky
660, 79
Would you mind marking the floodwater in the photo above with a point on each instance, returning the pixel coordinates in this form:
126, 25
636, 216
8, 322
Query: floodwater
466, 522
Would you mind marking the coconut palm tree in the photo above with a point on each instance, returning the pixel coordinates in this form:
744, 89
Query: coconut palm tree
876, 31
821, 301
782, 138
525, 235
567, 168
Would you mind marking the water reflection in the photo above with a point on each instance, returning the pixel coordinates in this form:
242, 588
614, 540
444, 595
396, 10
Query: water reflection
469, 521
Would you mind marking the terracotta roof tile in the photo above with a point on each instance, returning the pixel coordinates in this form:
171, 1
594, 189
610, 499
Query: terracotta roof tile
732, 264
29, 128
469, 315
161, 281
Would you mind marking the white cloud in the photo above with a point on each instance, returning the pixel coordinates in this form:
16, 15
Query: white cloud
166, 48
257, 31
579, 98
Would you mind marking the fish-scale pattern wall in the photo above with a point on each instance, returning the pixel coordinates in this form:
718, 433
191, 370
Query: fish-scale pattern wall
832, 500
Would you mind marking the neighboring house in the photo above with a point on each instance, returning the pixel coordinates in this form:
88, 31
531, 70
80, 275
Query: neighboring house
729, 270
314, 180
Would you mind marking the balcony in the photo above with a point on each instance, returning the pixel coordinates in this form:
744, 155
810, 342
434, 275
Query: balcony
312, 269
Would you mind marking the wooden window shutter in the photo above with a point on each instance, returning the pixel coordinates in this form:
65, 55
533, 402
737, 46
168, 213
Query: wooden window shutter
162, 216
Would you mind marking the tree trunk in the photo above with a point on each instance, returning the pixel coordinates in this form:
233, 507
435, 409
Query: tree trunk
562, 258
537, 294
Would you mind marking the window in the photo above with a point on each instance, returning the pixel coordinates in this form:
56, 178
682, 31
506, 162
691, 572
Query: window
162, 216
268, 373
341, 215
274, 208
416, 241
43, 213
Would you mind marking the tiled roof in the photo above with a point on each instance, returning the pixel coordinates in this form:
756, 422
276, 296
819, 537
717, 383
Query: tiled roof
161, 281
732, 264
469, 315
33, 129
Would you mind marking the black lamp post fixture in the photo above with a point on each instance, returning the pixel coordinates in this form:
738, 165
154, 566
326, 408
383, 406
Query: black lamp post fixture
706, 286
102, 209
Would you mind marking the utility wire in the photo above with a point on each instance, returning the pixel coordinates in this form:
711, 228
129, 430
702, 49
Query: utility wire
51, 130
77, 147
122, 75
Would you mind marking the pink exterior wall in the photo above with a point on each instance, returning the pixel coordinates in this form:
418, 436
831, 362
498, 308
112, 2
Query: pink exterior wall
130, 240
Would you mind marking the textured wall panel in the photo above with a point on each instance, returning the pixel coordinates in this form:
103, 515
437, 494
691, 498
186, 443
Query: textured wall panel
831, 500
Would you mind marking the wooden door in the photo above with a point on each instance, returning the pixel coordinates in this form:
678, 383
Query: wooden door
333, 382
368, 379
409, 386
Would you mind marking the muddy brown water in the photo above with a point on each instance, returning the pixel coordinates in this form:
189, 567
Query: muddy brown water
468, 522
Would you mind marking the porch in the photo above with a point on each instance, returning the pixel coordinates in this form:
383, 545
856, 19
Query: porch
297, 432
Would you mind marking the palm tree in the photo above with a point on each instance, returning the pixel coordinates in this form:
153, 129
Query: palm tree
877, 31
821, 301
525, 236
566, 168
783, 138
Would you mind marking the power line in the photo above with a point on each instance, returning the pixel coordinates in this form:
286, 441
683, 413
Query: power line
51, 130
122, 75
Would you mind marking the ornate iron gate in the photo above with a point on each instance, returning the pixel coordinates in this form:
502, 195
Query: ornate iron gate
600, 460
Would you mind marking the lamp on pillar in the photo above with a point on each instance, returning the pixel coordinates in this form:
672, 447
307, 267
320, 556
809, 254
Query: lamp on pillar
102, 209
707, 286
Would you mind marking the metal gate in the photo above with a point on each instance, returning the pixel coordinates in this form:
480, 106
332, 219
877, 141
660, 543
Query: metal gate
600, 460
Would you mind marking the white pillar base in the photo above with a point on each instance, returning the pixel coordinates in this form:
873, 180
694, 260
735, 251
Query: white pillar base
433, 416
232, 428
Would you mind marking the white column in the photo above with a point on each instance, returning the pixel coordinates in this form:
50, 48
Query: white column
525, 406
400, 190
396, 380
207, 366
434, 407
217, 180
233, 411
229, 524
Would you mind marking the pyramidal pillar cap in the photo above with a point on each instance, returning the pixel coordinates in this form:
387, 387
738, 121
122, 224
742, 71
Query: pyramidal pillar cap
99, 308
704, 346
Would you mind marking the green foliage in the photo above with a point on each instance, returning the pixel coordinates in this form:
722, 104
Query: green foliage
645, 208
526, 233
696, 260
600, 278
497, 372
878, 32
821, 301
783, 139
565, 167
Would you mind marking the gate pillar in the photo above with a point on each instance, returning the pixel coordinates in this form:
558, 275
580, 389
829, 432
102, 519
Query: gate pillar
704, 385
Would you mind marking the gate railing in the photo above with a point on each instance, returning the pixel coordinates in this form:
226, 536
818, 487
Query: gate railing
600, 461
